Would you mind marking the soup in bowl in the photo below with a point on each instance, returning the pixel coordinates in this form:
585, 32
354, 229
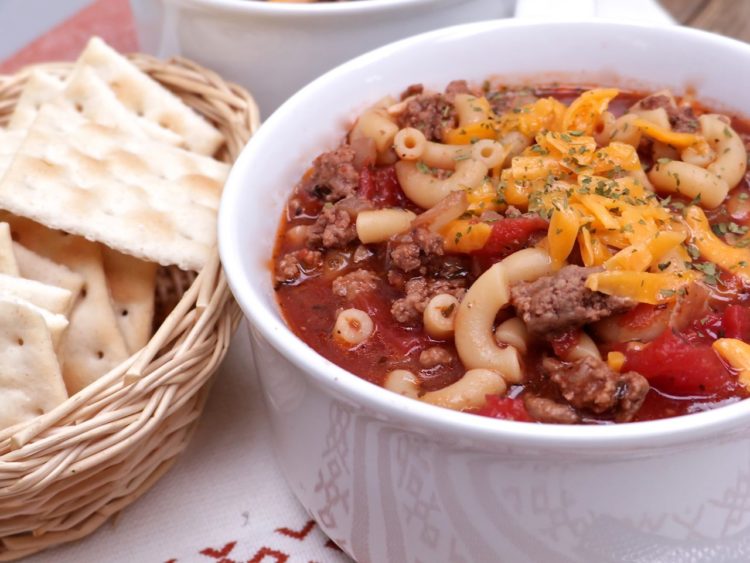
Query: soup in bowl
608, 265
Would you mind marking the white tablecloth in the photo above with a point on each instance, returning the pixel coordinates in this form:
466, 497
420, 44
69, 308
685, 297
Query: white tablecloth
224, 500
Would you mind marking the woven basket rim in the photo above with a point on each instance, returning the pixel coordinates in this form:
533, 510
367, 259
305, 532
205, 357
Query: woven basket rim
154, 396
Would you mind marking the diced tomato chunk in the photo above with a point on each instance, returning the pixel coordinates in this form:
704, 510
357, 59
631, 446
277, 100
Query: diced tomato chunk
705, 330
736, 322
641, 316
564, 342
732, 284
509, 235
398, 340
366, 183
505, 408
677, 366
380, 185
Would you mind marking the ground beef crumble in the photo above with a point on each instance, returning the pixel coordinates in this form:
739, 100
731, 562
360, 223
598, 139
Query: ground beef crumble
681, 118
589, 384
434, 356
433, 113
355, 283
430, 113
294, 264
509, 99
335, 227
419, 291
457, 87
412, 250
333, 176
411, 90
547, 410
560, 301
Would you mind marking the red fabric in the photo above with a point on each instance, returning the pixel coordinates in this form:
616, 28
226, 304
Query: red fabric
265, 554
109, 19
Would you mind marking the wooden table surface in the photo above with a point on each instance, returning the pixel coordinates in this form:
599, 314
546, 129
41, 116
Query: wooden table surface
729, 17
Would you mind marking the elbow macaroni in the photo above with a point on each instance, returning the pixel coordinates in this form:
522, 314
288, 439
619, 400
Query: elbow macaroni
424, 189
490, 153
469, 392
737, 354
619, 130
377, 125
353, 327
411, 144
710, 166
381, 224
403, 382
731, 157
474, 337
440, 315
585, 347
690, 181
471, 110
513, 333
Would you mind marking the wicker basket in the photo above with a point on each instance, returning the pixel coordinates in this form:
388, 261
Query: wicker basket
65, 473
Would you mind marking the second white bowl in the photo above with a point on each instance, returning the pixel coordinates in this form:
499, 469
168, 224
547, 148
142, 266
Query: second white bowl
392, 479
275, 49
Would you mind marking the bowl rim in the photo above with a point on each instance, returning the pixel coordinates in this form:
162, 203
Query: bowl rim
648, 435
306, 10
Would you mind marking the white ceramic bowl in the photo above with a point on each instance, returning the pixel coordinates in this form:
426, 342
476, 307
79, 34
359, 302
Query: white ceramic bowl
274, 49
395, 480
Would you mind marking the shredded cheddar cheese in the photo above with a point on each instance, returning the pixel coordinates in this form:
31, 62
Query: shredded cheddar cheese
616, 360
471, 133
642, 256
516, 193
711, 247
635, 258
615, 155
614, 218
663, 243
593, 251
585, 112
465, 236
562, 234
544, 114
644, 287
737, 354
598, 199
484, 198
677, 140
530, 168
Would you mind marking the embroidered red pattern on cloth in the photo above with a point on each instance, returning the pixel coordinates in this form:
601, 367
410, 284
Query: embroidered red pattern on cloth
265, 554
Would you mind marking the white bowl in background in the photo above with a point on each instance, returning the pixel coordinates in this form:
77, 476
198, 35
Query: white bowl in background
395, 480
273, 49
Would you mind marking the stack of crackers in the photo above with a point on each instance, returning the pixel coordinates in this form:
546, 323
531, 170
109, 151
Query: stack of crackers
104, 177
